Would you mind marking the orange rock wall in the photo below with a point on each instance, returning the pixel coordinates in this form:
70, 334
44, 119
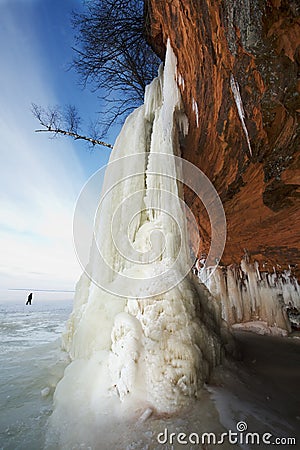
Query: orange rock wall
258, 42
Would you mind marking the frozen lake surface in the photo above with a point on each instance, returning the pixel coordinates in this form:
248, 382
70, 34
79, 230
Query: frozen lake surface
262, 389
30, 361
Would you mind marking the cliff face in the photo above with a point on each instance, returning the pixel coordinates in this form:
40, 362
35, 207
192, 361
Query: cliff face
233, 55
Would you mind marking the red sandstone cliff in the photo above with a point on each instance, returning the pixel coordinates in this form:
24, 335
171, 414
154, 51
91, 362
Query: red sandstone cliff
257, 44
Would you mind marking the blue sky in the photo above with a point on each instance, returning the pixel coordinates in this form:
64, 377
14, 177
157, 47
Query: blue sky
40, 177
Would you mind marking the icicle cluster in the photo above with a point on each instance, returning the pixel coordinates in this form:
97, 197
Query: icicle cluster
249, 296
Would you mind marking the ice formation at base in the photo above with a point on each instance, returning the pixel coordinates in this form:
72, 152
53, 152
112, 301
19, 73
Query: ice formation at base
257, 300
155, 352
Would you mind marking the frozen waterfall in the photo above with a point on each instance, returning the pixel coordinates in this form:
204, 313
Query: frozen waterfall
142, 336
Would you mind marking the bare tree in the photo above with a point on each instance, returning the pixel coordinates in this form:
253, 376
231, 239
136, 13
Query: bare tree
112, 54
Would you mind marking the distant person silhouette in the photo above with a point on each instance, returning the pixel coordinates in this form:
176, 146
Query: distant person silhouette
29, 299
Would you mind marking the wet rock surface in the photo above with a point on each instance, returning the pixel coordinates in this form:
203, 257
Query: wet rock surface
258, 45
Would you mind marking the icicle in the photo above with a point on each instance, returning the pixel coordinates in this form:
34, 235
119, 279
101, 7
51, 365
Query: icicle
196, 111
180, 81
239, 104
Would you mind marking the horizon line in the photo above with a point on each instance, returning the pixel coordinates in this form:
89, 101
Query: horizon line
39, 290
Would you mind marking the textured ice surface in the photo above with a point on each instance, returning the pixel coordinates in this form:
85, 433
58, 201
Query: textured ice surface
137, 354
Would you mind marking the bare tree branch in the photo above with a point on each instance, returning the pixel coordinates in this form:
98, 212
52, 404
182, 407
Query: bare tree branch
75, 136
56, 123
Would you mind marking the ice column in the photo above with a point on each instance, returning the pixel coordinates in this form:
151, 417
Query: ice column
143, 349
